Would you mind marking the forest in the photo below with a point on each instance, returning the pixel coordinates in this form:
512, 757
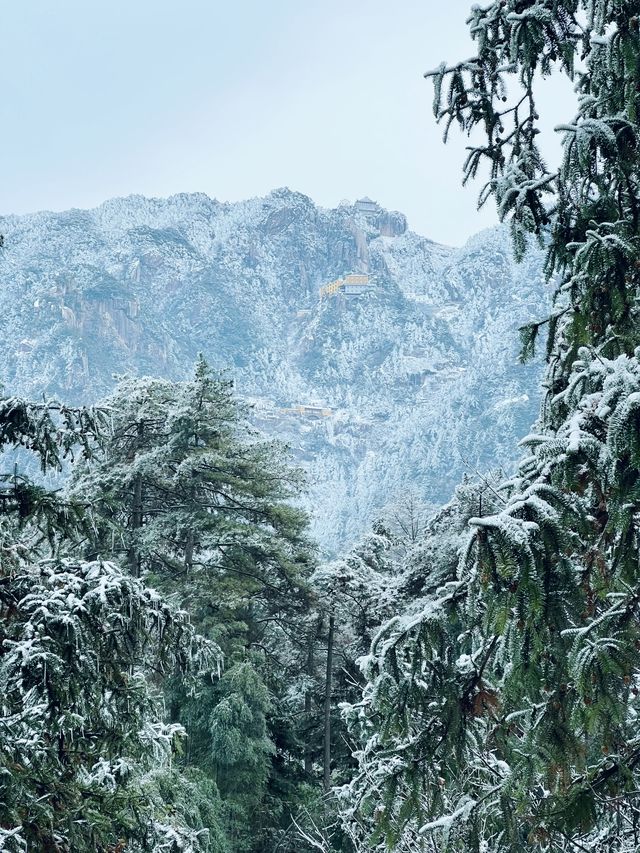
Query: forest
180, 670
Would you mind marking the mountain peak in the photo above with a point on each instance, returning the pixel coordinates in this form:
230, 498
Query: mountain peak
417, 367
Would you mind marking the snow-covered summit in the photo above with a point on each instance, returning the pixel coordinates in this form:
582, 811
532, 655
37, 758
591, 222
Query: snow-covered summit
417, 373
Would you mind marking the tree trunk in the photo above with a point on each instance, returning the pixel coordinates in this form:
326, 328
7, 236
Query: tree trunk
308, 759
327, 707
136, 512
188, 552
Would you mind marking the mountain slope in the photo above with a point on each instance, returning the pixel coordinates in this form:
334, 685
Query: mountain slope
418, 377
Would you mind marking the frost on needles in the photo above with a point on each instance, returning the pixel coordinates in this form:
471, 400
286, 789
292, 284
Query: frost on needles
504, 716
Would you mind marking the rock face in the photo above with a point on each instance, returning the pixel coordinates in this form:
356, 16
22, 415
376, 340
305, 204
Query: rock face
414, 381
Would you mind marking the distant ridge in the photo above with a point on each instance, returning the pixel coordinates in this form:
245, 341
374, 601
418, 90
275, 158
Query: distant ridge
418, 372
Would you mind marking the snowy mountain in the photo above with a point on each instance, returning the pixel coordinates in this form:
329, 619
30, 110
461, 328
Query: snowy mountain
412, 377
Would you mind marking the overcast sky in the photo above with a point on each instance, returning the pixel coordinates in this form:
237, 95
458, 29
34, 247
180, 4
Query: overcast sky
101, 99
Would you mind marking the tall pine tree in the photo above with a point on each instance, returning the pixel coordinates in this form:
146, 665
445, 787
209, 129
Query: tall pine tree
201, 508
84, 748
503, 717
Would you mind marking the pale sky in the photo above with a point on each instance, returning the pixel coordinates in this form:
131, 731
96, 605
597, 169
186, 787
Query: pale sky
102, 99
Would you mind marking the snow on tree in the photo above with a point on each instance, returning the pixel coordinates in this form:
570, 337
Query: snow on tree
201, 507
504, 716
191, 497
81, 722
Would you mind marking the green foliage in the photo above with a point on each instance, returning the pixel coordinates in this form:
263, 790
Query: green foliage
195, 797
53, 431
241, 752
586, 211
502, 716
201, 508
238, 728
53, 434
82, 726
79, 722
195, 502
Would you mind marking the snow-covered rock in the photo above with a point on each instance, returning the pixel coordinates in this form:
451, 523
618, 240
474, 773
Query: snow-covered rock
418, 378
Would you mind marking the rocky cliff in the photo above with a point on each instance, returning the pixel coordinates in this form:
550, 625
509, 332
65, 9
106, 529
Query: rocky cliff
412, 380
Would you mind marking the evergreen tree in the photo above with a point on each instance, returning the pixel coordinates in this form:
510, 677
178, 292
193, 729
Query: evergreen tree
198, 504
83, 744
80, 724
45, 436
202, 508
503, 717
241, 750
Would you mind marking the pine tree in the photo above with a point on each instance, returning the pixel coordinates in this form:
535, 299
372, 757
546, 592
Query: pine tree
80, 724
82, 737
195, 502
201, 508
395, 722
46, 436
503, 716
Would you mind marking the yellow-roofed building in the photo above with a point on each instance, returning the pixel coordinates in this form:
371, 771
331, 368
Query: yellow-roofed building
353, 284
